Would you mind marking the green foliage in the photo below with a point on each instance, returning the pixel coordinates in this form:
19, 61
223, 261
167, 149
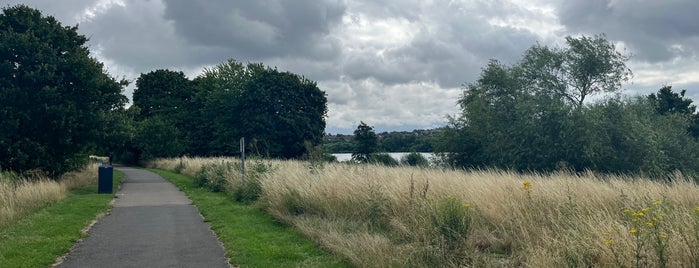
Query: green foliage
55, 100
248, 192
451, 220
414, 159
162, 93
227, 177
531, 117
157, 137
668, 102
365, 143
383, 159
214, 176
278, 110
588, 66
419, 140
275, 111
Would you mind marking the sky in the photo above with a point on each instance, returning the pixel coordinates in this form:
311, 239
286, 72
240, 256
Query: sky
393, 64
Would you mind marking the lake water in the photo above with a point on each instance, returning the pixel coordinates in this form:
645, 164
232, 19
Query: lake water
397, 156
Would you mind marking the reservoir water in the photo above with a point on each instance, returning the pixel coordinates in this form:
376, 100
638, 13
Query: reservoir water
397, 156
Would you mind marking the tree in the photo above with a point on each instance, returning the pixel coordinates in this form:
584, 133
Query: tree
668, 102
588, 66
281, 111
167, 95
414, 159
54, 97
163, 93
157, 137
365, 143
277, 111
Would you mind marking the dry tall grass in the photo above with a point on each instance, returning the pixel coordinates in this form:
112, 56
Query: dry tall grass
398, 217
20, 196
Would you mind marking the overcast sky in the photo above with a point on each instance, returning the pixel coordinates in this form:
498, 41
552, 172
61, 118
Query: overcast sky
394, 64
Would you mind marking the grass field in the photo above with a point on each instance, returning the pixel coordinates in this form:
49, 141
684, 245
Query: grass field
42, 219
410, 217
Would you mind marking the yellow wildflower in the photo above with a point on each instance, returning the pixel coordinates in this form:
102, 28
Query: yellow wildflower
650, 224
467, 205
527, 185
646, 209
633, 230
662, 236
639, 214
657, 202
696, 209
608, 242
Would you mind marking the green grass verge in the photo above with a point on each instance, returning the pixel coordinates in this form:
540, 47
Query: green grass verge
41, 237
252, 238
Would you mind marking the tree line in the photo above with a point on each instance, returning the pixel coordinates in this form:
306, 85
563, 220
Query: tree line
532, 116
279, 113
419, 140
58, 104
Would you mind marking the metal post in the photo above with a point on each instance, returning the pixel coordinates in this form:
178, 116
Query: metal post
242, 157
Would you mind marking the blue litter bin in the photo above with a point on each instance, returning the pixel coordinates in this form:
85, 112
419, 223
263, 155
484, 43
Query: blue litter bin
105, 179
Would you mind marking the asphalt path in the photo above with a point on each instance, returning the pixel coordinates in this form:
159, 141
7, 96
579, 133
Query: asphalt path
152, 224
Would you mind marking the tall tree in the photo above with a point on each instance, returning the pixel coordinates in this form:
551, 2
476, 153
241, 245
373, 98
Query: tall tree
668, 102
588, 66
54, 97
163, 93
277, 111
365, 143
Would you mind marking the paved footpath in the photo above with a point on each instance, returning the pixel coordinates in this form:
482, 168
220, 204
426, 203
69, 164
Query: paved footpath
152, 224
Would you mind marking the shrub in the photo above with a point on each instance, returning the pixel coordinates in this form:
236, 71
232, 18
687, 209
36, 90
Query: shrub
451, 222
414, 159
250, 191
383, 159
213, 176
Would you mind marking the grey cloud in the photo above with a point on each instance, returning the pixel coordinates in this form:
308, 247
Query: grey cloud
651, 28
65, 11
259, 29
455, 41
136, 36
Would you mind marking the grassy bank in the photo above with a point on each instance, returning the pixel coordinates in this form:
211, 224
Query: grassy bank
251, 237
383, 217
47, 228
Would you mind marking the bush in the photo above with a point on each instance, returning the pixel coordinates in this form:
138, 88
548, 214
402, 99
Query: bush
214, 176
414, 159
383, 159
452, 221
250, 191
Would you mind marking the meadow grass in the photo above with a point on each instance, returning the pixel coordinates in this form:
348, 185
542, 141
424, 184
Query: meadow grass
415, 217
251, 237
22, 194
39, 236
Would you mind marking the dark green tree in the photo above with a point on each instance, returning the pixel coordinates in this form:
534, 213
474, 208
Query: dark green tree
365, 143
668, 102
54, 97
276, 111
157, 137
414, 159
167, 95
523, 117
162, 93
